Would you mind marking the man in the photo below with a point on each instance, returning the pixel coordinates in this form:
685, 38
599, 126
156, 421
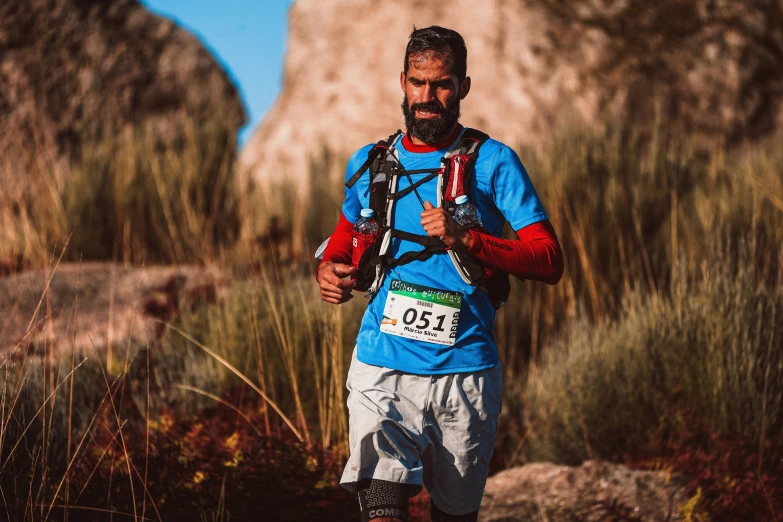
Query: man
424, 405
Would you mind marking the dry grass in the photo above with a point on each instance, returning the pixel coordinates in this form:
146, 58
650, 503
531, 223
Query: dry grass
711, 347
127, 198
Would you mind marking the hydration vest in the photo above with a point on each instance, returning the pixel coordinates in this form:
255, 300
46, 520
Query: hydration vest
384, 168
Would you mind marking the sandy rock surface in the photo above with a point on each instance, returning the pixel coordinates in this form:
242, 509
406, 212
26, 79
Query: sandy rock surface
90, 305
707, 69
593, 492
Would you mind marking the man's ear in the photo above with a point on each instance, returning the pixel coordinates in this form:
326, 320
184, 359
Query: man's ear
402, 81
464, 88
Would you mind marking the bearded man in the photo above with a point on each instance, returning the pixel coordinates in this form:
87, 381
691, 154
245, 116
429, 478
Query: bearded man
425, 398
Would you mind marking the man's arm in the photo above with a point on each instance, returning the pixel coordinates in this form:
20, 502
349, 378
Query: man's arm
336, 261
535, 255
339, 248
336, 264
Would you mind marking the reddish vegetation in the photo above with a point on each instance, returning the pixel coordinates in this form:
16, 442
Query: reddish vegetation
206, 464
733, 479
193, 462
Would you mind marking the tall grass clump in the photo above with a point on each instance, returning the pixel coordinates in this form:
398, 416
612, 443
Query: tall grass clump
304, 209
129, 196
631, 215
712, 348
273, 329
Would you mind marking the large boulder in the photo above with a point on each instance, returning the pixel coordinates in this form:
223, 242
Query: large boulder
711, 70
72, 70
592, 492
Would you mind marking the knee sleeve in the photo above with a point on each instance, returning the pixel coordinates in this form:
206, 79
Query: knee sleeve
381, 498
441, 516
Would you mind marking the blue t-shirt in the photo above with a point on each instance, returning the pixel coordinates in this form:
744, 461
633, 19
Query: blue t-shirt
502, 191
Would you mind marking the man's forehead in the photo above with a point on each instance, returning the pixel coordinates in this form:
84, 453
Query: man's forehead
426, 59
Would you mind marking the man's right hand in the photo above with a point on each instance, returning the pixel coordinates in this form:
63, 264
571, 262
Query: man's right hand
335, 289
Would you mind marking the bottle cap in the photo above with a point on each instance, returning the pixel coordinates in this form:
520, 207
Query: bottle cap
461, 199
367, 212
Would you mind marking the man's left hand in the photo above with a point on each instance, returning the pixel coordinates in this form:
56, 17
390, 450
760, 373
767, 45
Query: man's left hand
438, 223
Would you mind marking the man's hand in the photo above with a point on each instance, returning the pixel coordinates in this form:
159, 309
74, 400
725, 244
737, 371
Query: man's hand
335, 289
438, 223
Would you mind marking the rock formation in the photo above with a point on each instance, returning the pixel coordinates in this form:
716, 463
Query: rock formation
711, 70
595, 491
88, 306
71, 69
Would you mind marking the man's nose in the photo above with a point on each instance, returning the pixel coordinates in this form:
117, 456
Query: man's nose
427, 93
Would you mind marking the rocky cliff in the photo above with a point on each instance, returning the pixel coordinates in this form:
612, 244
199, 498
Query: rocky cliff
708, 69
72, 69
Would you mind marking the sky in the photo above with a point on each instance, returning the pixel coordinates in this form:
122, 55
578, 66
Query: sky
247, 36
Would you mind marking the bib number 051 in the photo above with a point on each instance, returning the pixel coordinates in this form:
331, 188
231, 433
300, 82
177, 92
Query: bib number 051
422, 313
411, 314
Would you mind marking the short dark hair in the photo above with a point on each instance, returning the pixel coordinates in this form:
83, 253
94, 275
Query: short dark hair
444, 42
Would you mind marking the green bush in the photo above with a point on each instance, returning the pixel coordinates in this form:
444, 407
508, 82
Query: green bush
712, 347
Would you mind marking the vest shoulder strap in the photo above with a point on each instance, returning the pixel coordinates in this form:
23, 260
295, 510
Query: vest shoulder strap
379, 147
475, 135
459, 164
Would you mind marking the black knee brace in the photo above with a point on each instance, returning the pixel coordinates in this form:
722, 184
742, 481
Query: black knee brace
381, 498
441, 516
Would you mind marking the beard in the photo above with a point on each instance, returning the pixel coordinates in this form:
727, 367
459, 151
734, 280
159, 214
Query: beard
430, 130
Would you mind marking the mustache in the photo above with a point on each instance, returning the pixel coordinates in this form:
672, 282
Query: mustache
432, 106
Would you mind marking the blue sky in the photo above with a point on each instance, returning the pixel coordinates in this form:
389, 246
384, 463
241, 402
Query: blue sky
247, 36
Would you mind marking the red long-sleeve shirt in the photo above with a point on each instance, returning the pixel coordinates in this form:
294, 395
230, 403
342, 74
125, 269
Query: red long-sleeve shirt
339, 248
535, 255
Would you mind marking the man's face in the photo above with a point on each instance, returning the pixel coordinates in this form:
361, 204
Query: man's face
432, 97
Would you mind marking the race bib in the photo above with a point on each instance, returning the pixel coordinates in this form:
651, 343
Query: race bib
421, 313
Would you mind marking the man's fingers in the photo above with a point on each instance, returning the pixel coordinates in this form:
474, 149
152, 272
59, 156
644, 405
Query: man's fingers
429, 218
343, 270
428, 205
343, 283
335, 299
435, 229
334, 279
326, 286
332, 294
336, 296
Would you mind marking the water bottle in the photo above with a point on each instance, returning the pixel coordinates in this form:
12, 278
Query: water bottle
466, 213
365, 233
366, 224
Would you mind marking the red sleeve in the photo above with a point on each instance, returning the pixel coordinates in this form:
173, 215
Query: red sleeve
338, 250
535, 255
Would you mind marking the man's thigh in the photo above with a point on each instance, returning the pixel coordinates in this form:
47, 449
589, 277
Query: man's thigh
461, 428
386, 409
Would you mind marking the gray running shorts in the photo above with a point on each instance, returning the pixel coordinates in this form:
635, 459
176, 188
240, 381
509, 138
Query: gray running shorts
436, 430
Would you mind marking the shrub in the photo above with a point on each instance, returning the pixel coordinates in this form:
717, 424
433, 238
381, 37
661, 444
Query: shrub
716, 342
